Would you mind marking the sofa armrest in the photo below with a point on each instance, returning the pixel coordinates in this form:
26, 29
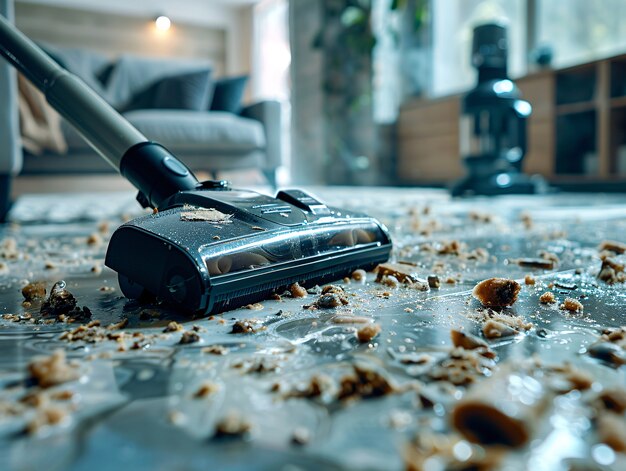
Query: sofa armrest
10, 141
269, 114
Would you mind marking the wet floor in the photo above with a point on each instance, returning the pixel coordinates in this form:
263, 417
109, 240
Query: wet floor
135, 404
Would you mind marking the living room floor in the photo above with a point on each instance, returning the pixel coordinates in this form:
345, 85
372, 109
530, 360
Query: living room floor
306, 387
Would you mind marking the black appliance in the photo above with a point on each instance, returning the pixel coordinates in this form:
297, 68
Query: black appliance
493, 138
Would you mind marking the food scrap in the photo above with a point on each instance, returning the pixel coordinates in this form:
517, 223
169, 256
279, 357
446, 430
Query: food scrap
572, 305
367, 333
547, 298
52, 370
233, 425
497, 292
212, 215
34, 290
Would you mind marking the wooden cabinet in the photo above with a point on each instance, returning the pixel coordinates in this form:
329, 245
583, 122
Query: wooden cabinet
576, 134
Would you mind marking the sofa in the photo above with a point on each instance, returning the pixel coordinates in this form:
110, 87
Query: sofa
227, 136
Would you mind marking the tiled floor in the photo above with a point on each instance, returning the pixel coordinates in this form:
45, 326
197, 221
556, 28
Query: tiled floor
136, 405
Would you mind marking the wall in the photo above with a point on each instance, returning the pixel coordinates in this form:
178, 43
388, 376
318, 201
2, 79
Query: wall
306, 94
220, 29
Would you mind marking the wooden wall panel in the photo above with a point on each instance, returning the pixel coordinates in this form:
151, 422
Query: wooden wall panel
428, 142
113, 34
539, 91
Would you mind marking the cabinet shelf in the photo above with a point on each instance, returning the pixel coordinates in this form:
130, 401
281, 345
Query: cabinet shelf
576, 133
572, 108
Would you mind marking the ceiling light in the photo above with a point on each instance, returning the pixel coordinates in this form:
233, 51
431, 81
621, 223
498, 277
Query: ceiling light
163, 23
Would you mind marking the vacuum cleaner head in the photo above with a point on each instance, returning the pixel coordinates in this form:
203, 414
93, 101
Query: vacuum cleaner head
208, 248
217, 250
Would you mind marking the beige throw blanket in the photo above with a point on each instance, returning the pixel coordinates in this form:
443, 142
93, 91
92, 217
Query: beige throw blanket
40, 125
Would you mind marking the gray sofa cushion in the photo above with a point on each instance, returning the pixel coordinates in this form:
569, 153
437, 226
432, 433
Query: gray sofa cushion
184, 131
132, 74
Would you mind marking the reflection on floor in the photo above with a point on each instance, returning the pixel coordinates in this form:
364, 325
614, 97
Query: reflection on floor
144, 400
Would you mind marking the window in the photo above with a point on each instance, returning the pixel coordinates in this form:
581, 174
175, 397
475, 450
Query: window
453, 24
581, 30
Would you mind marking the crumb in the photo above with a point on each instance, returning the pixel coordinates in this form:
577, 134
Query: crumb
60, 301
612, 430
46, 417
243, 327
462, 367
318, 386
493, 329
49, 265
465, 340
496, 292
453, 247
365, 382
211, 215
106, 289
346, 280
94, 239
34, 290
189, 337
359, 275
433, 281
482, 418
216, 237
118, 325
408, 309
103, 227
52, 370
97, 269
255, 306
613, 399
578, 379
206, 389
403, 272
612, 246
608, 352
529, 280
276, 297
297, 291
550, 256
611, 272
367, 333
331, 300
173, 327
541, 263
527, 220
547, 298
300, 436
451, 280
390, 281
233, 426
64, 395
216, 350
572, 305
8, 249
480, 217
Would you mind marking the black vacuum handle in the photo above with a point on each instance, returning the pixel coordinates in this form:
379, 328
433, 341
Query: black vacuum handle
147, 165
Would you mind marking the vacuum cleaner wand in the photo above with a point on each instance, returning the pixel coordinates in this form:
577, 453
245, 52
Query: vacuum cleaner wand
148, 166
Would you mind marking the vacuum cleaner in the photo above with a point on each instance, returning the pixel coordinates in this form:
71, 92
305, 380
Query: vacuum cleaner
207, 247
